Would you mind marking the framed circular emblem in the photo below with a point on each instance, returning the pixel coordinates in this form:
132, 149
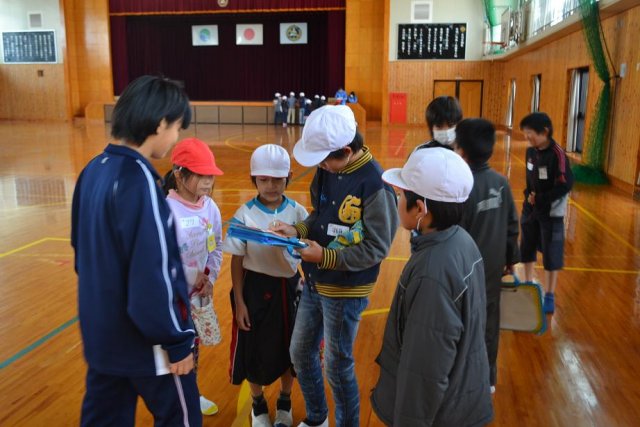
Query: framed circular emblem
294, 33
223, 3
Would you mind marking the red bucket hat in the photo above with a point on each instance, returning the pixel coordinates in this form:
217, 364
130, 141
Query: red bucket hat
195, 155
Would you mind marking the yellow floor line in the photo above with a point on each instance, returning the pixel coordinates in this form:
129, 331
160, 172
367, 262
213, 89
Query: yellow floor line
227, 142
244, 407
604, 226
539, 267
374, 312
32, 244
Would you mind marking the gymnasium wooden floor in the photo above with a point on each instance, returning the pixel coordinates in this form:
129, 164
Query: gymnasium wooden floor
583, 372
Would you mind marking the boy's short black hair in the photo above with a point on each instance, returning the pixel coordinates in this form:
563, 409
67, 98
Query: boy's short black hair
443, 214
537, 122
477, 138
444, 110
144, 104
355, 145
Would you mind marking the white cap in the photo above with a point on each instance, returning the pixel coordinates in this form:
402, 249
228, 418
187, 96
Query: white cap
327, 129
284, 96
308, 101
270, 160
277, 95
292, 94
322, 97
301, 93
316, 96
434, 173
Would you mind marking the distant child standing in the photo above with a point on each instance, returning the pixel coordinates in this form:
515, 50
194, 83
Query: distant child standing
490, 217
291, 112
277, 109
264, 285
549, 181
198, 226
433, 361
442, 115
302, 111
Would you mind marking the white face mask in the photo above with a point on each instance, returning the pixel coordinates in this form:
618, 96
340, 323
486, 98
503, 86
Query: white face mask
446, 137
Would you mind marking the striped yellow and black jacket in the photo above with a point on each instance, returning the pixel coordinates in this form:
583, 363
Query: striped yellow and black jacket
357, 193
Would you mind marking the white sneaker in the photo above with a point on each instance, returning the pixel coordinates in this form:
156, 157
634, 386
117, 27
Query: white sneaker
207, 407
261, 420
324, 424
283, 418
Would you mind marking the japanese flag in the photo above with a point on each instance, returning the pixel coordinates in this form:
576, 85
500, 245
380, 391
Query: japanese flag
249, 34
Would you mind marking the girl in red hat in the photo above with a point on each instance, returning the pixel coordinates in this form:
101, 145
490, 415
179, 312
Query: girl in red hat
199, 231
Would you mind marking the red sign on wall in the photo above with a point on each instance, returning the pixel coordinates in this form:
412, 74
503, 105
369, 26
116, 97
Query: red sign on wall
397, 108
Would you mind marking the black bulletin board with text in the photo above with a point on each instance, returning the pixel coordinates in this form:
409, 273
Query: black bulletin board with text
432, 41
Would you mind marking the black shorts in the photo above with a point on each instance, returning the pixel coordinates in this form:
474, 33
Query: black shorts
261, 355
544, 235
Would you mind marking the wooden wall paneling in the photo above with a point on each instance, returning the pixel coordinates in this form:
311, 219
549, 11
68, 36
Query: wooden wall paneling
365, 50
444, 88
385, 63
470, 97
554, 61
90, 76
416, 78
26, 96
623, 162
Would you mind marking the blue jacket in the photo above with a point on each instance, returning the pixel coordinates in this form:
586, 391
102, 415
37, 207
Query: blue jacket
131, 287
357, 193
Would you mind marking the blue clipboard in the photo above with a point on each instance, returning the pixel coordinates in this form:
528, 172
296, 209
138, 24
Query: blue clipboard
265, 237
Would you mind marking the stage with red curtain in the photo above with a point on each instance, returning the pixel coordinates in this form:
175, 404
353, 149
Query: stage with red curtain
155, 38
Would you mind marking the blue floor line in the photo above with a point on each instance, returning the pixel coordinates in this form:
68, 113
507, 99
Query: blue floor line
38, 343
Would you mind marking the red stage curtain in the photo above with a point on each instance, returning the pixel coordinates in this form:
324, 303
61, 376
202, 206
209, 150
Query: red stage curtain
146, 6
162, 45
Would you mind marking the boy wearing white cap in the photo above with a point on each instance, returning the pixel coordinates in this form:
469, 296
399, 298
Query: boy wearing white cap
291, 112
302, 104
351, 228
433, 361
264, 283
277, 109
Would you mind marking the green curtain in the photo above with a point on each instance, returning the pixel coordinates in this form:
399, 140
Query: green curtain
591, 172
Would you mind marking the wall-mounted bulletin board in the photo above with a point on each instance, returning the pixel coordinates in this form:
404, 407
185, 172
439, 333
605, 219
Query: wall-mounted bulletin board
29, 47
432, 41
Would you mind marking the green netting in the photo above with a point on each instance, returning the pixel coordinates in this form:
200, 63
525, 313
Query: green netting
591, 172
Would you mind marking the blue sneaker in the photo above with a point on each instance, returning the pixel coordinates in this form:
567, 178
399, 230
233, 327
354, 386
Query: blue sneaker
549, 305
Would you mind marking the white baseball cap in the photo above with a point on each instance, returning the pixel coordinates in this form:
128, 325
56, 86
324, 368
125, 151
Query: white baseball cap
277, 95
316, 96
301, 93
270, 160
327, 129
434, 173
323, 97
292, 94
